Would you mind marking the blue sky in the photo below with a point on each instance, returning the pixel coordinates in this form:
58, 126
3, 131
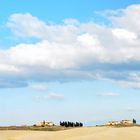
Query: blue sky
56, 11
74, 60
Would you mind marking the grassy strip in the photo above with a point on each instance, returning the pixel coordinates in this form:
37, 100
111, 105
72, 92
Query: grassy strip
53, 128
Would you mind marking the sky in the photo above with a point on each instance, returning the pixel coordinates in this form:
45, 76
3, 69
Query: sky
71, 60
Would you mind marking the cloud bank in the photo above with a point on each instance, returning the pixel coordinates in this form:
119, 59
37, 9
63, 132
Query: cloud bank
73, 50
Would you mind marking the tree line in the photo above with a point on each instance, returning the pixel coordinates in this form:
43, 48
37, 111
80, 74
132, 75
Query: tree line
71, 124
134, 121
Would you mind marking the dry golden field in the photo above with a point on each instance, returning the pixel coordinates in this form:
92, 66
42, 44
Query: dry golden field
85, 133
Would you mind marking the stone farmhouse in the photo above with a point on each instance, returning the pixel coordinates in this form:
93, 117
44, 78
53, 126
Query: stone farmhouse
123, 122
45, 124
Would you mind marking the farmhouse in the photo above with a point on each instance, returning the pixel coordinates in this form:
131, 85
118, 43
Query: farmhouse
45, 123
123, 122
126, 122
112, 123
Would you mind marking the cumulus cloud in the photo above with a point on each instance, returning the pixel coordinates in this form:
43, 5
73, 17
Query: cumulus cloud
128, 18
31, 26
25, 25
74, 50
124, 34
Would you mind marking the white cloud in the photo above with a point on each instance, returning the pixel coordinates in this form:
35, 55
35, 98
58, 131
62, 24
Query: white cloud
73, 50
39, 86
129, 84
109, 94
128, 18
33, 27
89, 41
8, 68
56, 96
124, 34
50, 96
25, 25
